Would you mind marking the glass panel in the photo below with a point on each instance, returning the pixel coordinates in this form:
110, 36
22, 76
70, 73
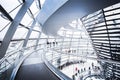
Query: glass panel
3, 32
8, 4
20, 33
34, 8
27, 20
14, 12
34, 34
3, 23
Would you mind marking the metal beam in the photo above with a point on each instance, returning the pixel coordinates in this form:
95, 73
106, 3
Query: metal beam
5, 13
29, 33
13, 27
23, 1
28, 27
37, 41
39, 4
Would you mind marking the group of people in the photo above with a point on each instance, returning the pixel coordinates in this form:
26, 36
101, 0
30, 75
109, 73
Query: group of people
70, 51
51, 43
79, 73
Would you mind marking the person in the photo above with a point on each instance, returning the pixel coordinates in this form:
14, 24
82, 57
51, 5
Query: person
69, 51
78, 74
56, 43
89, 72
50, 44
98, 68
73, 77
89, 68
92, 65
84, 69
81, 78
81, 70
76, 69
59, 61
53, 43
47, 42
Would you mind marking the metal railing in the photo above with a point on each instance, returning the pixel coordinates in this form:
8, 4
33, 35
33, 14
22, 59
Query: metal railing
54, 56
13, 59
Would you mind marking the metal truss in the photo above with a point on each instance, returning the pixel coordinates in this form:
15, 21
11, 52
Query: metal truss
104, 31
16, 21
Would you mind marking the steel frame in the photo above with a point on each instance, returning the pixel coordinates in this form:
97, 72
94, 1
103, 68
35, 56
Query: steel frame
16, 21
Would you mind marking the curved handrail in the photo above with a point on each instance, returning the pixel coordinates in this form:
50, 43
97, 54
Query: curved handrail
14, 72
55, 70
92, 58
50, 66
88, 57
11, 53
92, 75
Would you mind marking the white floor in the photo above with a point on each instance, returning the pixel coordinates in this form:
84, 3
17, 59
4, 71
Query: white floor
71, 70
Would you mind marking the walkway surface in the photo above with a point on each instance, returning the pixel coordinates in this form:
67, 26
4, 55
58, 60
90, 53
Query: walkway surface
33, 68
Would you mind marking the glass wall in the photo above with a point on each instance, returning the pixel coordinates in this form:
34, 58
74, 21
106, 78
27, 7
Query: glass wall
103, 27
